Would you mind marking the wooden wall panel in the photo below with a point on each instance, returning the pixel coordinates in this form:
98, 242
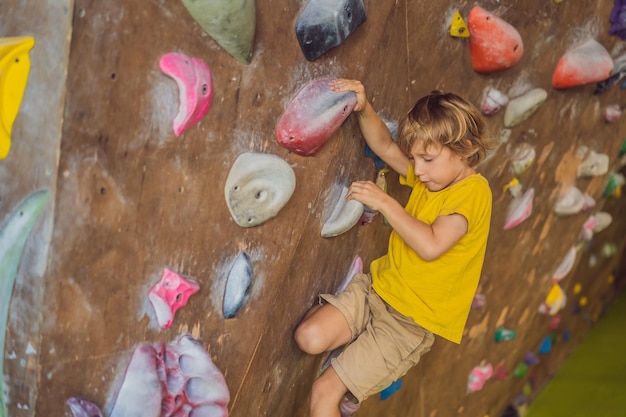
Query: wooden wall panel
32, 165
132, 199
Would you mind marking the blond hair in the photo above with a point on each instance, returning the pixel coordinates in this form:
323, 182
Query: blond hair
448, 120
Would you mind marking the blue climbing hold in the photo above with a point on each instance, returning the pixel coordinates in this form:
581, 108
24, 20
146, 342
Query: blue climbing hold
395, 386
378, 163
566, 336
546, 345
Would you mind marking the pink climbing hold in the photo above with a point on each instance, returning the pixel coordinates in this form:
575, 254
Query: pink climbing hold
313, 116
478, 376
495, 45
170, 294
589, 62
195, 86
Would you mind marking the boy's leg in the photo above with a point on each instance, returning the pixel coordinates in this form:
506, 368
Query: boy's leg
322, 330
328, 391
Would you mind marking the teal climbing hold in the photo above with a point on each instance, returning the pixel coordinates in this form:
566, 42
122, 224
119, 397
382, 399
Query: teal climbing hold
503, 335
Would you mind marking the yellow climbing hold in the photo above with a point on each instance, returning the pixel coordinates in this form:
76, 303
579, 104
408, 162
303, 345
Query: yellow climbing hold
583, 301
611, 279
555, 294
577, 288
14, 69
458, 27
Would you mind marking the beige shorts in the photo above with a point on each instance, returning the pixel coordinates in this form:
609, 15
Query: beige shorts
385, 344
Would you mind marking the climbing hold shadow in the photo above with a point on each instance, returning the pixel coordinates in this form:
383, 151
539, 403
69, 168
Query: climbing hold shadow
231, 23
619, 72
258, 187
495, 45
588, 62
313, 116
170, 294
14, 69
345, 215
195, 88
325, 24
238, 285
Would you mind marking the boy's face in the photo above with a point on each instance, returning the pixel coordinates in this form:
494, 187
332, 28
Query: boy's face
437, 166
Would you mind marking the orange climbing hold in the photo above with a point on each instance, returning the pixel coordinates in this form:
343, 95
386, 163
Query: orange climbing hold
587, 63
494, 44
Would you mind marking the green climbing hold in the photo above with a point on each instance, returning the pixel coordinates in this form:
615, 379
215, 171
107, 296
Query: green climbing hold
231, 23
521, 370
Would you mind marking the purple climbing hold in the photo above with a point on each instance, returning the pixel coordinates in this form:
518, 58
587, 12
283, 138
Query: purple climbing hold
618, 19
324, 24
530, 359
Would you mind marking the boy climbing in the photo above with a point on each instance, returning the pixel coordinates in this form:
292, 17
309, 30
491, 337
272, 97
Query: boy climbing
426, 282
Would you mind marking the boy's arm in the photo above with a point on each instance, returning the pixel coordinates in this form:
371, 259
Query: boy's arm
428, 241
374, 130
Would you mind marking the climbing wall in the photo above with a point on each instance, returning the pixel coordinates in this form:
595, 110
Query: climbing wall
132, 199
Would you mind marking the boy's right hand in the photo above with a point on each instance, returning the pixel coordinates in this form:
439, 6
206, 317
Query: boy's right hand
341, 84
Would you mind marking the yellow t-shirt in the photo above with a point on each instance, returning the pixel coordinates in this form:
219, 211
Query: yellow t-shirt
438, 294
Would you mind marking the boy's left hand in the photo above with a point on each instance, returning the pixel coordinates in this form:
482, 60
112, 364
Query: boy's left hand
367, 193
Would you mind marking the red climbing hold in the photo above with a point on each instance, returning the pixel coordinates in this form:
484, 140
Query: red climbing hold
494, 44
587, 63
313, 116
